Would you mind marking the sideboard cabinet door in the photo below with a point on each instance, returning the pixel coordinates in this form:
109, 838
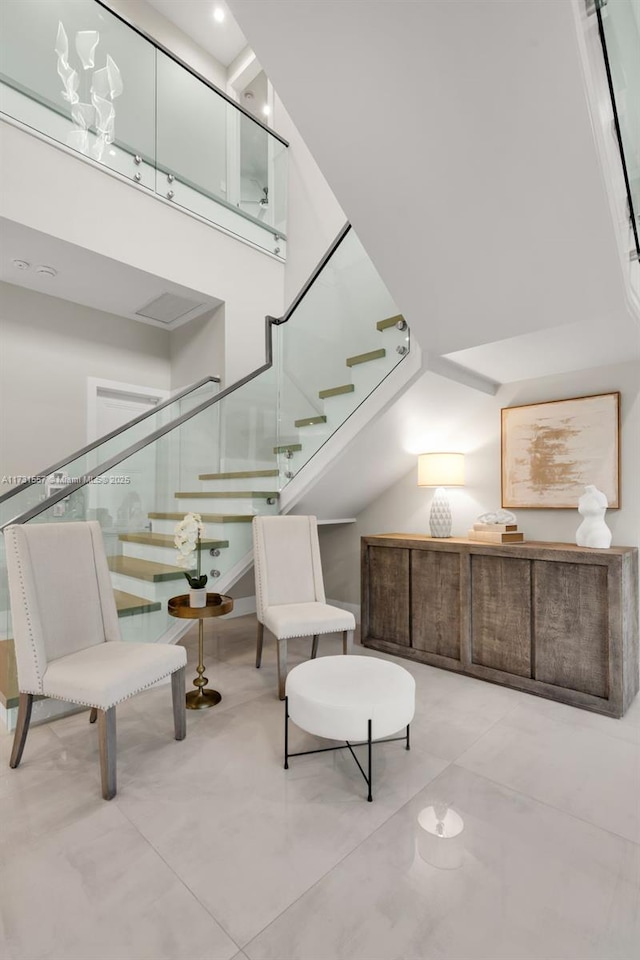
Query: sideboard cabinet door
571, 641
501, 613
389, 595
435, 602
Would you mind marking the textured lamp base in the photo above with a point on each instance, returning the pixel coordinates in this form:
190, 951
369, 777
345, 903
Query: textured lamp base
440, 515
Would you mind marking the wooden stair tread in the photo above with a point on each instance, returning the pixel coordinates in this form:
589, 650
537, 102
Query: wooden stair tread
389, 322
166, 539
227, 494
206, 518
336, 391
366, 357
238, 474
148, 570
127, 604
288, 446
310, 421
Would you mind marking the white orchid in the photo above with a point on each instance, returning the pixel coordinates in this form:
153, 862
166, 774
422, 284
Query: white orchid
188, 534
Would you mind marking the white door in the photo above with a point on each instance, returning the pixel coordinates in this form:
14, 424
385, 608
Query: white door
124, 496
115, 408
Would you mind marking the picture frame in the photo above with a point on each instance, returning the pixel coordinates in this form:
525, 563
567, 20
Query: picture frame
551, 450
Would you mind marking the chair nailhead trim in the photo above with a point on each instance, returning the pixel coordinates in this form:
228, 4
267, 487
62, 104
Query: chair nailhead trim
86, 703
12, 533
319, 633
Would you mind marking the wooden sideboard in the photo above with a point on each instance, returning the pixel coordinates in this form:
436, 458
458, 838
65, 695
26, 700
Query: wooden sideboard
553, 619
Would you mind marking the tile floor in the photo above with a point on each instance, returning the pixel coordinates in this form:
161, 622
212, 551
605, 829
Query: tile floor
210, 850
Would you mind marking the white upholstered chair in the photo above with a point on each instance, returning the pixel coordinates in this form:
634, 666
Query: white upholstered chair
67, 637
290, 599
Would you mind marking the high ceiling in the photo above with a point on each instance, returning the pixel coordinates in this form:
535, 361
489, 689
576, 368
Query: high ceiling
224, 40
458, 139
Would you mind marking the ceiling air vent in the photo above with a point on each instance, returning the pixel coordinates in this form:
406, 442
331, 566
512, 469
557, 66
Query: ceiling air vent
168, 307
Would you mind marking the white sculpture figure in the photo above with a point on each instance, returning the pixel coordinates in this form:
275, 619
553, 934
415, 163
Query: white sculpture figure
593, 531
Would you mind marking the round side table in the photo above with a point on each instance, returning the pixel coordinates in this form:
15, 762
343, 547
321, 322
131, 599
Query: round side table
217, 606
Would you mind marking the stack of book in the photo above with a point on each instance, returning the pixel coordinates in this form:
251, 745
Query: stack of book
496, 533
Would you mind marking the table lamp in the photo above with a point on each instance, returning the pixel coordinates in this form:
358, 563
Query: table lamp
440, 470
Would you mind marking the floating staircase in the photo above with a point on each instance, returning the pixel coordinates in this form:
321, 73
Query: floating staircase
368, 369
145, 574
146, 571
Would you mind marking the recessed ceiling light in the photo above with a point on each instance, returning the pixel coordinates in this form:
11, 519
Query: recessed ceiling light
266, 109
218, 15
45, 271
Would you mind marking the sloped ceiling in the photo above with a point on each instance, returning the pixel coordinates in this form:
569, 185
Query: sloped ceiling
457, 137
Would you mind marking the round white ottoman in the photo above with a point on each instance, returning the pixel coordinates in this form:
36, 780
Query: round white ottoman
349, 698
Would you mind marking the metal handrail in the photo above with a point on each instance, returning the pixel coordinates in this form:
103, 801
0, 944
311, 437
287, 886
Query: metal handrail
194, 73
616, 123
270, 322
312, 279
109, 436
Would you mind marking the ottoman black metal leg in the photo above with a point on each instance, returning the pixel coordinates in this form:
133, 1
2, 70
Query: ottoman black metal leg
286, 733
368, 776
369, 751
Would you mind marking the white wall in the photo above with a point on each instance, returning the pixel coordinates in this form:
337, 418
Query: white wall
197, 349
48, 348
314, 216
470, 422
62, 195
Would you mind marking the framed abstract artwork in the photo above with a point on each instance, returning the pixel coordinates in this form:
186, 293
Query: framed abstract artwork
552, 450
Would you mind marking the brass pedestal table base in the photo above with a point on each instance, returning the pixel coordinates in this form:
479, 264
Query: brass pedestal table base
217, 606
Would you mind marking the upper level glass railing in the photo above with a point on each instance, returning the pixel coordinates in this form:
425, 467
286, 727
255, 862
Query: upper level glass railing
619, 28
29, 491
229, 456
79, 74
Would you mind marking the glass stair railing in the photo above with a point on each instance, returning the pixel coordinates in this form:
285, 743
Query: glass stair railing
81, 75
346, 338
33, 490
619, 29
229, 456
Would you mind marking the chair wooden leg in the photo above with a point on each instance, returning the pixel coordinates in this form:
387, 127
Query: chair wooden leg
107, 738
282, 667
93, 716
260, 638
314, 646
347, 641
179, 703
25, 704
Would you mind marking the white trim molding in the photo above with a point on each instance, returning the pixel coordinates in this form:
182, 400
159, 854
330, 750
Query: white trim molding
97, 384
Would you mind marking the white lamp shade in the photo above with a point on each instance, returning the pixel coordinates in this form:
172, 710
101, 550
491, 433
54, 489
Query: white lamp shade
441, 470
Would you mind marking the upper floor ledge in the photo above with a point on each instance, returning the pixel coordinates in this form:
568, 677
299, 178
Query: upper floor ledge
81, 76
